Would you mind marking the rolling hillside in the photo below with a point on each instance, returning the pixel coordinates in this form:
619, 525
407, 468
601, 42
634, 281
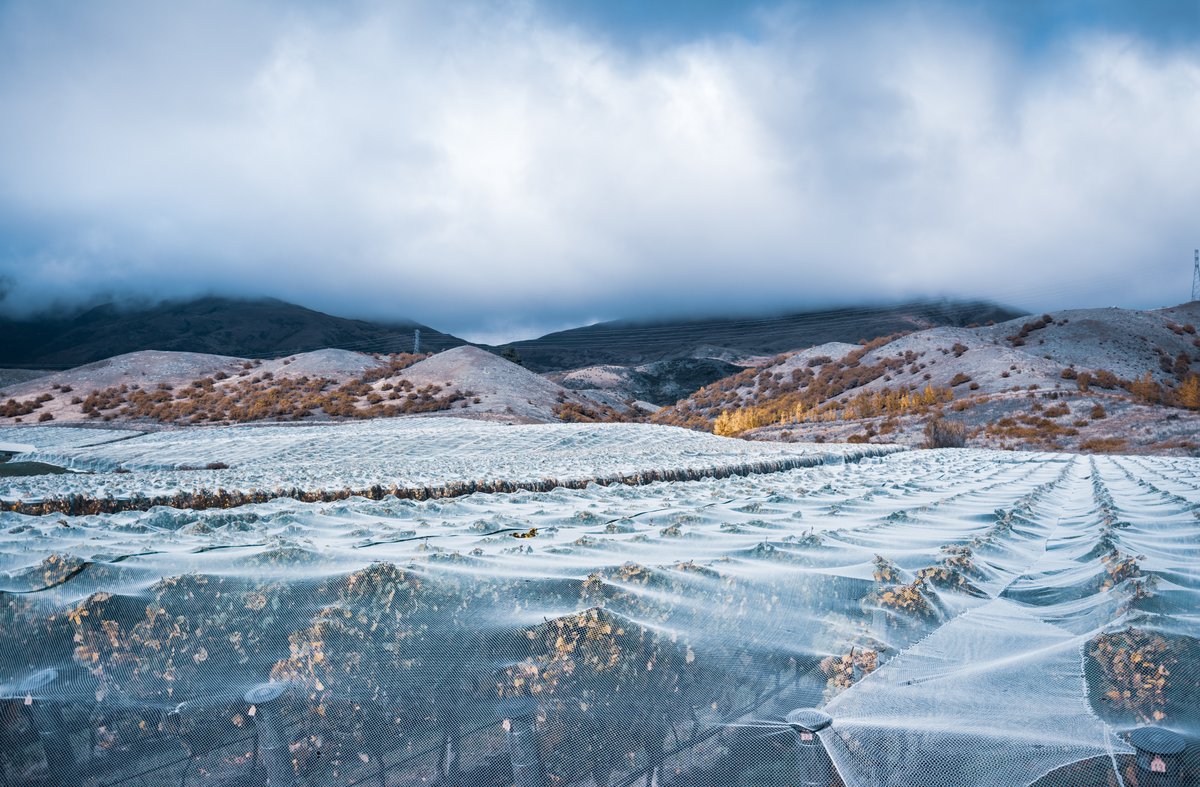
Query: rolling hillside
1100, 379
153, 388
1085, 379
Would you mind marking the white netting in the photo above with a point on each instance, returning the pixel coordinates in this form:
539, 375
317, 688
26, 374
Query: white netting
965, 617
994, 697
404, 455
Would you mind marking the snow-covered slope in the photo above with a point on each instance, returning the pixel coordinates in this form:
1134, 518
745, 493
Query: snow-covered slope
1077, 359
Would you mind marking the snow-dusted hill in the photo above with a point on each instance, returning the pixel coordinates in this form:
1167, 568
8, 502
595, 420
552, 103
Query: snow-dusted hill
999, 380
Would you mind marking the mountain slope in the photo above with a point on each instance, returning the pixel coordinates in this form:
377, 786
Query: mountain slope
149, 388
261, 328
1107, 378
660, 383
631, 343
497, 387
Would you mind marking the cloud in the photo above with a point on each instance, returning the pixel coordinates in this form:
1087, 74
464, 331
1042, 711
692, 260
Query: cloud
490, 168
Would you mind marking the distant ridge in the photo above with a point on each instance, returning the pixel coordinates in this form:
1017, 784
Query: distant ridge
633, 342
255, 328
269, 328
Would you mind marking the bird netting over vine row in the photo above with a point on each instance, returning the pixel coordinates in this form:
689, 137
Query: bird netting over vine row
962, 617
412, 457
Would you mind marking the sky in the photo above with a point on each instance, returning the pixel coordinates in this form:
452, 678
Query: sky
499, 170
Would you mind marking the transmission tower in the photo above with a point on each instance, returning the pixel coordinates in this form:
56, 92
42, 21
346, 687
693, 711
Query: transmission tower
1196, 276
417, 340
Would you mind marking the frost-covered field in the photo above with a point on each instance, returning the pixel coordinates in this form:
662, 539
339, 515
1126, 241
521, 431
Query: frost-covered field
398, 453
966, 618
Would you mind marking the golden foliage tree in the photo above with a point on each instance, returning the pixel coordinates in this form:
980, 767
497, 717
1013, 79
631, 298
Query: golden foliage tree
1189, 392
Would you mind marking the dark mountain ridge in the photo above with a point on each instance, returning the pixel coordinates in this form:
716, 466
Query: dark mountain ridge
635, 342
252, 328
269, 328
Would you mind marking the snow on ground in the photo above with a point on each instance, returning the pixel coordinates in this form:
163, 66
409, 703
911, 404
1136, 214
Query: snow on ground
803, 358
340, 365
603, 377
1122, 341
147, 367
406, 453
503, 388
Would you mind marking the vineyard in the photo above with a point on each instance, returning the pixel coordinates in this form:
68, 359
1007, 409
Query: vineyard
950, 617
219, 467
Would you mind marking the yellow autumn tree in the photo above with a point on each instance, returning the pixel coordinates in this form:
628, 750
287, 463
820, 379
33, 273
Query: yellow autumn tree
1147, 389
1189, 392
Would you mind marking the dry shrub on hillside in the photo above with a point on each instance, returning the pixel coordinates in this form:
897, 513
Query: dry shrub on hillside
1030, 427
576, 413
940, 433
1018, 339
12, 408
265, 397
394, 364
1104, 445
1180, 330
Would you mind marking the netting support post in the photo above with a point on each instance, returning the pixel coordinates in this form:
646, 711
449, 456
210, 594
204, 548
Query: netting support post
46, 719
273, 745
1159, 756
881, 624
813, 766
523, 748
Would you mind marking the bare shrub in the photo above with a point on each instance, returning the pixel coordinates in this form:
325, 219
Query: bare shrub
940, 433
1104, 445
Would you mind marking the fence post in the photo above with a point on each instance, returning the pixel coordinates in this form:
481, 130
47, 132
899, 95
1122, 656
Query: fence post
813, 766
273, 744
520, 715
1159, 753
46, 719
